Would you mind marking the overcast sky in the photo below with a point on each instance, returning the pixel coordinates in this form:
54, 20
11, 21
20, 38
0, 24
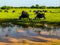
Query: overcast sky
29, 2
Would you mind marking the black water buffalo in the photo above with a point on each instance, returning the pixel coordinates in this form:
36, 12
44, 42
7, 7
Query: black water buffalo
40, 11
24, 15
34, 10
13, 11
29, 10
50, 11
6, 11
0, 10
44, 11
40, 15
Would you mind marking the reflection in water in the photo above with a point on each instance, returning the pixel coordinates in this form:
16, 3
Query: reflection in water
16, 31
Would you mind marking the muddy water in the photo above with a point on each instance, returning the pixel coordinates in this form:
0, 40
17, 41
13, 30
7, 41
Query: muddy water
19, 32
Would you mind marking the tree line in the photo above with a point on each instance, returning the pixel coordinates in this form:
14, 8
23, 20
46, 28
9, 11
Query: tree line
33, 6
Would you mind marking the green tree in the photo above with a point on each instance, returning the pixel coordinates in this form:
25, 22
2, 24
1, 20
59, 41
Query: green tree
37, 6
5, 7
32, 6
43, 7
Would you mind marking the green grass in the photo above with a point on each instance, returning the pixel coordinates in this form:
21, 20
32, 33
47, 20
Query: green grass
52, 17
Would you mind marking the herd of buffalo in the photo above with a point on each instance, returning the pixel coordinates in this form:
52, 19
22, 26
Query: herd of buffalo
38, 14
25, 14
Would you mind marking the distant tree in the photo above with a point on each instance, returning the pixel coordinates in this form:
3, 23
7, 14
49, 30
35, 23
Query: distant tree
43, 7
32, 6
59, 6
37, 6
5, 7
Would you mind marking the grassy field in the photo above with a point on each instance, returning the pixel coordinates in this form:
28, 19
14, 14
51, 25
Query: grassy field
53, 16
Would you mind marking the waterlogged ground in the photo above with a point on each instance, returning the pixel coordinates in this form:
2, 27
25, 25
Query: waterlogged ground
17, 35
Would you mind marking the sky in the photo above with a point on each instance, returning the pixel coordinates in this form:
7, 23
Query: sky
18, 3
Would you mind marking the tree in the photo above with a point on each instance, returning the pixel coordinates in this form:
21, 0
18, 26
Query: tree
32, 6
43, 7
5, 7
37, 6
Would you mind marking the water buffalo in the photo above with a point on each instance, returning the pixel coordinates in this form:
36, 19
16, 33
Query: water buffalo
29, 10
34, 10
6, 11
44, 11
24, 15
13, 11
50, 11
0, 10
40, 15
40, 11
